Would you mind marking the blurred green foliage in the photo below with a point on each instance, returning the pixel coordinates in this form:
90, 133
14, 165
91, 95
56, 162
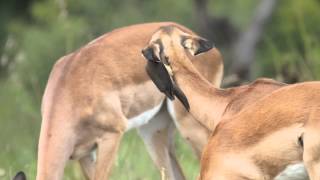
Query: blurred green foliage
34, 34
290, 45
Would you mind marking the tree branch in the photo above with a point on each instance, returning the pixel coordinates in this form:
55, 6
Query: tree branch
245, 47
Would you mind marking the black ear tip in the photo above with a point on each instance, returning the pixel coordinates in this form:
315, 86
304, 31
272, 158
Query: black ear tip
20, 176
206, 44
149, 54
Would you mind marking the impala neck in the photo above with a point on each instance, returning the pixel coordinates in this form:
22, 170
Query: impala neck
207, 103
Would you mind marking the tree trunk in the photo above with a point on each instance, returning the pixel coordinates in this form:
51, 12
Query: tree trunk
244, 48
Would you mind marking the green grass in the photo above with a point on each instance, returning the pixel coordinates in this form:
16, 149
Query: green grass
19, 131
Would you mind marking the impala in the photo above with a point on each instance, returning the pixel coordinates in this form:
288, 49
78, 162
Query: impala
169, 52
97, 93
259, 142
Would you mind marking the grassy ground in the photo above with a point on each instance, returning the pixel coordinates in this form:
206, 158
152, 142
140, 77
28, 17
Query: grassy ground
19, 131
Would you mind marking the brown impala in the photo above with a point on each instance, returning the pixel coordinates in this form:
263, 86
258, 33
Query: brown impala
96, 94
168, 53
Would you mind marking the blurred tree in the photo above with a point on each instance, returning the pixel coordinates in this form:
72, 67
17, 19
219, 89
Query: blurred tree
245, 47
241, 45
290, 46
14, 10
218, 29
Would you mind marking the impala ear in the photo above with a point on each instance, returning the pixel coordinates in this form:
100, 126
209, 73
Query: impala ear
149, 54
196, 45
20, 176
203, 46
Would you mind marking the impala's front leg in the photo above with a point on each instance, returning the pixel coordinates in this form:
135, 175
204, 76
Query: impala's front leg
195, 133
158, 136
56, 144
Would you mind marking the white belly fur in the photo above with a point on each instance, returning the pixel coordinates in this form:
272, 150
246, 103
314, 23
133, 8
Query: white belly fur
143, 118
171, 111
293, 172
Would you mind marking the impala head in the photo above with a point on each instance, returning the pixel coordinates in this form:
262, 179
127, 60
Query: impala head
169, 45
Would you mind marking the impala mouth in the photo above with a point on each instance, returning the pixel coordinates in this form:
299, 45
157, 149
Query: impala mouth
161, 75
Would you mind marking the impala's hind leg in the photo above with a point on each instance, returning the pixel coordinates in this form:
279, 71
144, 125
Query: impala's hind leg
158, 136
87, 164
107, 148
55, 148
311, 151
